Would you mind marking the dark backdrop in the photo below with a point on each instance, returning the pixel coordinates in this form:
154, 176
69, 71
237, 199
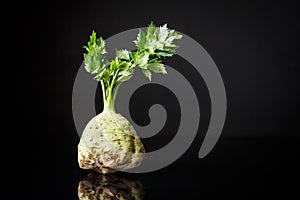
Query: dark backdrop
255, 46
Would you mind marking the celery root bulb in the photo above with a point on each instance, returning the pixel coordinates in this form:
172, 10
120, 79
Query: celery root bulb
109, 143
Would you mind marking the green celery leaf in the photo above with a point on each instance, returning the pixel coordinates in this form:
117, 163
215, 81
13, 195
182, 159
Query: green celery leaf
123, 54
123, 66
157, 68
165, 53
152, 45
157, 38
141, 40
113, 65
125, 75
163, 33
95, 59
141, 60
147, 73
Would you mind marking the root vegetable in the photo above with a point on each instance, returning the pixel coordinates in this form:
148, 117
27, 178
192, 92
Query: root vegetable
109, 142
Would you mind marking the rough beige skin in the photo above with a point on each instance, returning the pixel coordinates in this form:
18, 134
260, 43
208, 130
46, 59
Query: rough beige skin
98, 187
109, 143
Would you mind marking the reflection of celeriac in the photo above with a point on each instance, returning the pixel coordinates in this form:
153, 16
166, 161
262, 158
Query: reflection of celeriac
109, 143
98, 187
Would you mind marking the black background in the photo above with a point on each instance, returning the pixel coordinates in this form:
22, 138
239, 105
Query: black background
255, 46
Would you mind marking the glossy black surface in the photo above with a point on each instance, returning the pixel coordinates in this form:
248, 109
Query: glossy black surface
248, 167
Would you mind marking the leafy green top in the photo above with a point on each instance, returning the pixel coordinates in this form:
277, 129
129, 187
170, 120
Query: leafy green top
152, 45
156, 43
